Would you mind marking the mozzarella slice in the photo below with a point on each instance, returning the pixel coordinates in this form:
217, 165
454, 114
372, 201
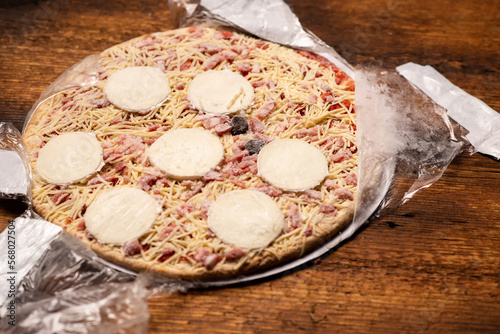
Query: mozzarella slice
69, 157
292, 164
246, 218
121, 215
186, 153
220, 92
137, 88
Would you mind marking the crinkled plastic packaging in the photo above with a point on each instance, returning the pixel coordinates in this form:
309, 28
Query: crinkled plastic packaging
405, 142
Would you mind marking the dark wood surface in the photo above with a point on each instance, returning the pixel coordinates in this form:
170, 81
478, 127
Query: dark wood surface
431, 266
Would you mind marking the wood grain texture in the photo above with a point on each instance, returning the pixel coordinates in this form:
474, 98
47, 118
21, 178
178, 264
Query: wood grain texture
430, 266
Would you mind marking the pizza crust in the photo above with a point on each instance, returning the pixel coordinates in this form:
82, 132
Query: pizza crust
309, 109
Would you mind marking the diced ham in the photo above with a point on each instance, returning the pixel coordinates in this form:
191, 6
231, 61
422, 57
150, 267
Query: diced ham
234, 253
60, 198
294, 220
153, 127
220, 129
312, 98
209, 48
256, 68
271, 84
344, 194
186, 65
195, 189
213, 61
151, 178
184, 209
265, 110
312, 194
237, 157
146, 182
244, 68
120, 166
131, 248
327, 209
261, 44
149, 41
236, 182
238, 146
351, 179
263, 137
330, 184
166, 253
311, 132
268, 190
219, 123
206, 258
105, 178
212, 176
224, 34
196, 32
242, 50
341, 155
167, 231
240, 163
116, 120
333, 142
308, 231
172, 54
99, 103
205, 205
322, 85
211, 261
259, 83
130, 145
256, 125
81, 225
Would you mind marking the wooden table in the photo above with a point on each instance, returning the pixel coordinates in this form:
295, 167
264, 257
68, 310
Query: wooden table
432, 266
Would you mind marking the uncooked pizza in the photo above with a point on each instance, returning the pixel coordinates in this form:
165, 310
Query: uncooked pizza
199, 153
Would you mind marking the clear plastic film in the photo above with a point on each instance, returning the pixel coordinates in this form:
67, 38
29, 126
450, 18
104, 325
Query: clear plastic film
405, 142
14, 164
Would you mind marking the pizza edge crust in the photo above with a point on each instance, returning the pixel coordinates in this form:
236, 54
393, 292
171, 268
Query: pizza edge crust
328, 228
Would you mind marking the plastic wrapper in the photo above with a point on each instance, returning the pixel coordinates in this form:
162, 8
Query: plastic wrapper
15, 173
405, 142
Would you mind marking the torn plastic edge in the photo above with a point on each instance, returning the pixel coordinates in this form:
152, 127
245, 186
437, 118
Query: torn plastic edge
482, 122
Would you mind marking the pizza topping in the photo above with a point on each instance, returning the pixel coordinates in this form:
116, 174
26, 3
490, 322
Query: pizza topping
294, 219
138, 88
351, 179
234, 253
69, 158
256, 125
268, 190
292, 164
220, 92
246, 218
265, 110
344, 194
213, 176
253, 146
121, 215
186, 153
239, 125
328, 209
131, 248
206, 258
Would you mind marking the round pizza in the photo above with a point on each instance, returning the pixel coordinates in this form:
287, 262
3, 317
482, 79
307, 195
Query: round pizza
199, 153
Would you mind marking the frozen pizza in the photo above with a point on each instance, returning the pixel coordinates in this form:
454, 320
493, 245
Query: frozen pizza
199, 153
